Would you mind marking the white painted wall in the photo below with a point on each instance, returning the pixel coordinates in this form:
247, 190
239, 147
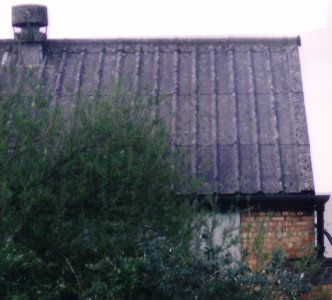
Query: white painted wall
225, 231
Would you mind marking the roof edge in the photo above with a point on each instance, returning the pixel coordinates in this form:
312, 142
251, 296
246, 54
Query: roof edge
184, 39
268, 202
203, 40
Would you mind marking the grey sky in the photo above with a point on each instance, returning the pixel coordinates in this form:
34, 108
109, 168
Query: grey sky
102, 18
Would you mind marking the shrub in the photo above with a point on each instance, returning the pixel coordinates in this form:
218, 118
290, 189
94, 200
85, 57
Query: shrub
88, 210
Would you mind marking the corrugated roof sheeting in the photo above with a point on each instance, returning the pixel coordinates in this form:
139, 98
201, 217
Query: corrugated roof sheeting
234, 105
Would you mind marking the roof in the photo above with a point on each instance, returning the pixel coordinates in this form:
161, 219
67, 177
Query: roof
234, 105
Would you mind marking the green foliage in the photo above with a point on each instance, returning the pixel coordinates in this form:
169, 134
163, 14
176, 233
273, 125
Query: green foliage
79, 187
88, 210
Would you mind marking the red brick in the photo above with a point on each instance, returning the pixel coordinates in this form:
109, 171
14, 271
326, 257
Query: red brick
293, 231
302, 223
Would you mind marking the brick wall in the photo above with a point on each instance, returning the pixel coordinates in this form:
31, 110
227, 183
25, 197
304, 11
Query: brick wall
261, 232
321, 292
328, 288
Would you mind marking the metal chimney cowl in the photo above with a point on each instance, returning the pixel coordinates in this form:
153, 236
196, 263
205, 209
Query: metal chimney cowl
27, 21
29, 18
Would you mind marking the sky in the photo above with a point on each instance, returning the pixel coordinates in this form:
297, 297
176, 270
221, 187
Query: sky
311, 19
110, 18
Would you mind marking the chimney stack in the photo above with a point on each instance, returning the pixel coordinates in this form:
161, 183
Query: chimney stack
27, 20
30, 32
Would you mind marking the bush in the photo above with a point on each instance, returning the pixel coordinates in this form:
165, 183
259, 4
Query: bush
88, 210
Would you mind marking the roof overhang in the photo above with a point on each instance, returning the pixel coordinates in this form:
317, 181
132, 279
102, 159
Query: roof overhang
267, 202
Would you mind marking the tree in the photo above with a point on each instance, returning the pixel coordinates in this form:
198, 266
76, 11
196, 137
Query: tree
88, 209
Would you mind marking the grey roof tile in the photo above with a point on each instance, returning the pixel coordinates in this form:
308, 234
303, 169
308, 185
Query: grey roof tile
204, 167
284, 118
235, 106
147, 72
243, 72
168, 72
228, 169
165, 108
270, 168
185, 121
290, 167
108, 73
226, 119
205, 76
294, 70
299, 119
128, 69
224, 70
90, 76
246, 119
205, 119
261, 71
304, 166
71, 76
266, 119
249, 166
186, 73
280, 72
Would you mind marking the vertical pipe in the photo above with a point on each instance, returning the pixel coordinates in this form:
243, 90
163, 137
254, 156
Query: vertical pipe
320, 208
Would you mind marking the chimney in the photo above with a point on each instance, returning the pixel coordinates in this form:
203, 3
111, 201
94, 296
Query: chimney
30, 32
29, 18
